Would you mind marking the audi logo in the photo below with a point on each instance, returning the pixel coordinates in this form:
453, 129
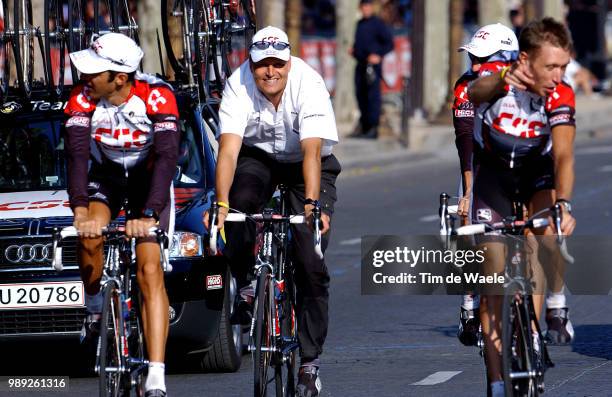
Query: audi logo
29, 253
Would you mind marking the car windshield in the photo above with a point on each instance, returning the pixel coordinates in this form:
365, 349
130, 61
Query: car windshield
32, 156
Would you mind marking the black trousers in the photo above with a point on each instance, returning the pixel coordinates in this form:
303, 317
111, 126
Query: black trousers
368, 96
254, 183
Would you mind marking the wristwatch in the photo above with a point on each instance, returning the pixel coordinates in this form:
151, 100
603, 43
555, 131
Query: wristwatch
566, 203
310, 201
150, 213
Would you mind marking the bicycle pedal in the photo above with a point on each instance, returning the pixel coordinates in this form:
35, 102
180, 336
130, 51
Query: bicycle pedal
289, 348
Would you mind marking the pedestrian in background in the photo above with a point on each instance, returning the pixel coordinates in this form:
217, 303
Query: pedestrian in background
373, 39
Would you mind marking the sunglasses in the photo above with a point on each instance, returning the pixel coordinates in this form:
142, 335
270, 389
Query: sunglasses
277, 45
116, 62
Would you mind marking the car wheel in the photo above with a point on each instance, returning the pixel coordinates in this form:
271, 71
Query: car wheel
226, 352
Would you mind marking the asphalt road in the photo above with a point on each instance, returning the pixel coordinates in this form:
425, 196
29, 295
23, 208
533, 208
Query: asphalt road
406, 345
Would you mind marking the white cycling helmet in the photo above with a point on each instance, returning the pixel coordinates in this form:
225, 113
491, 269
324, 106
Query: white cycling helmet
490, 39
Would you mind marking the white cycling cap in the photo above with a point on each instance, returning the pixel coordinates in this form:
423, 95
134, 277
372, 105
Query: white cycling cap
270, 34
490, 39
112, 51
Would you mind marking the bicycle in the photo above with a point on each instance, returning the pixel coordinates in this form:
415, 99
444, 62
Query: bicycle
120, 353
525, 356
273, 339
206, 31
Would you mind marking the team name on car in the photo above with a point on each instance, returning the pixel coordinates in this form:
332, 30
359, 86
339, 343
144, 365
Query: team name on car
44, 105
34, 205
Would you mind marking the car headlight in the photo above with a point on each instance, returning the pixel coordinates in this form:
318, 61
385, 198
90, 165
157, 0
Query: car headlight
185, 244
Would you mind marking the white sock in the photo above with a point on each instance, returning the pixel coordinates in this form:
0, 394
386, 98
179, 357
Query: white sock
94, 302
497, 389
156, 378
536, 340
470, 302
555, 300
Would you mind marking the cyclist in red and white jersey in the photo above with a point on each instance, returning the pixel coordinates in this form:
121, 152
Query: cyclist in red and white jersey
524, 131
122, 142
491, 49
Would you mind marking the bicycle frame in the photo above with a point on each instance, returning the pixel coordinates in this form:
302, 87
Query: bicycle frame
277, 265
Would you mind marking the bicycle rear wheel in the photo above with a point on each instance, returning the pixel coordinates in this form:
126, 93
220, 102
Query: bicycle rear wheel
517, 348
24, 45
55, 46
262, 356
178, 16
112, 339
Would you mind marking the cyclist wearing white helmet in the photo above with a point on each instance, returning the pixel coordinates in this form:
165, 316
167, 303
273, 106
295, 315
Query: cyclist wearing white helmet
492, 48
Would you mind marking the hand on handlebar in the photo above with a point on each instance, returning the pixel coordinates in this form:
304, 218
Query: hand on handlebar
325, 219
138, 228
568, 222
88, 227
220, 218
463, 209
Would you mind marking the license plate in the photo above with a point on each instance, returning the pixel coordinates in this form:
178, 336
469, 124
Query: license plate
42, 295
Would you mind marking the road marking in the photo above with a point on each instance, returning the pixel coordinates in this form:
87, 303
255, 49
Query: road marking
594, 150
353, 241
429, 218
437, 377
606, 168
573, 378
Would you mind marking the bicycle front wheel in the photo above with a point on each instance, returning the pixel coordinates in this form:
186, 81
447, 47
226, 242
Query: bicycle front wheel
112, 338
517, 348
5, 51
285, 370
262, 355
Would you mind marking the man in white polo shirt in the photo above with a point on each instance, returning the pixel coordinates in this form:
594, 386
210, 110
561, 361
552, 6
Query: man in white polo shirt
277, 125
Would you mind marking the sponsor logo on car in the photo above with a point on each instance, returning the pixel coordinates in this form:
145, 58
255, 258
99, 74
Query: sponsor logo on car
214, 282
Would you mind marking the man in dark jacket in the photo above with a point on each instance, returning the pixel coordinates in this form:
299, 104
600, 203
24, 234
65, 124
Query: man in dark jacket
373, 40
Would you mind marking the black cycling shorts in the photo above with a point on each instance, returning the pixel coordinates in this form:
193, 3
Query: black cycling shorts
108, 184
496, 186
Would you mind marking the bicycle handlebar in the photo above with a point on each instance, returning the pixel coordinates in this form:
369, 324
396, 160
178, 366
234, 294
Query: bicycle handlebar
240, 217
509, 226
71, 231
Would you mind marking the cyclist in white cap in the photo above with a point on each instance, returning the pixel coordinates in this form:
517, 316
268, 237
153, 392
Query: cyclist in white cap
125, 124
278, 126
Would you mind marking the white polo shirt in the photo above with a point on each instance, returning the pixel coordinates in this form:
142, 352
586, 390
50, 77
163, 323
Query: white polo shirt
305, 111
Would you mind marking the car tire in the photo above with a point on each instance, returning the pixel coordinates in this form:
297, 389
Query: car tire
226, 352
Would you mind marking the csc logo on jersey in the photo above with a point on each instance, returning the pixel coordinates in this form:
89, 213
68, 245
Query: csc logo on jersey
507, 123
121, 137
